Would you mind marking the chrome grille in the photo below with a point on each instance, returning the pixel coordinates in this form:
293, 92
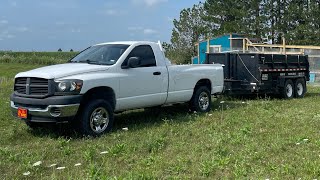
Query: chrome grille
31, 86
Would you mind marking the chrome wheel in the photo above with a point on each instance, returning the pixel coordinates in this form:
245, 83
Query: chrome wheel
99, 120
203, 101
299, 89
289, 90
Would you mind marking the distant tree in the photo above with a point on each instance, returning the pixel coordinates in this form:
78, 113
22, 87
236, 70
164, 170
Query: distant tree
59, 50
188, 30
227, 15
296, 20
71, 50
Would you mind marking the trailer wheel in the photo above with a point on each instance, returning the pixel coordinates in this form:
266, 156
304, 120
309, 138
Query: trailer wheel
288, 90
96, 118
201, 99
300, 88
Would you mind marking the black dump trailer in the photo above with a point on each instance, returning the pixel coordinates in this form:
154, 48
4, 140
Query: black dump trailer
249, 73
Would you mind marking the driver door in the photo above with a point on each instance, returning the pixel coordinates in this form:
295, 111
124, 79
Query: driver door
142, 86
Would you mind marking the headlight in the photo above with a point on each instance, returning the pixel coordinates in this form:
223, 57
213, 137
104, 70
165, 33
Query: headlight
62, 86
70, 86
73, 86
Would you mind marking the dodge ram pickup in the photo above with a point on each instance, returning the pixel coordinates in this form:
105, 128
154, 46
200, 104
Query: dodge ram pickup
107, 78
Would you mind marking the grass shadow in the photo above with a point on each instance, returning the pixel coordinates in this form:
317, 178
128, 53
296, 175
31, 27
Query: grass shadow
313, 94
55, 131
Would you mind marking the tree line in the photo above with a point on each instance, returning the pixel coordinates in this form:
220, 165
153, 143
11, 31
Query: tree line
297, 20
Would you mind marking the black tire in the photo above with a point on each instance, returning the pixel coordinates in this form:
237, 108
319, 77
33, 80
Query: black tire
287, 91
300, 88
201, 100
104, 117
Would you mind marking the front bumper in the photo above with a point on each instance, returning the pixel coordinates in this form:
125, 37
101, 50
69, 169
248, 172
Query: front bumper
52, 109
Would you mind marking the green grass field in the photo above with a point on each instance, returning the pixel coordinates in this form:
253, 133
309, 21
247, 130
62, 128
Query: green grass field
238, 139
42, 58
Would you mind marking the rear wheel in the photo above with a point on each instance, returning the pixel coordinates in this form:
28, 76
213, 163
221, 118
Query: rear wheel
96, 118
288, 90
201, 99
300, 88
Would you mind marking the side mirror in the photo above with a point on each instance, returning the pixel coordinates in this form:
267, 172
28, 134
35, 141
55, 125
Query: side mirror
133, 62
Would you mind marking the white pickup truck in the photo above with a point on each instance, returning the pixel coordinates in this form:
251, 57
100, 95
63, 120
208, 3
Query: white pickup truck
107, 78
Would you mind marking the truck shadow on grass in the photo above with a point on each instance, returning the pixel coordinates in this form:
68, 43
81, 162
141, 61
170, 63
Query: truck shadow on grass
142, 118
180, 113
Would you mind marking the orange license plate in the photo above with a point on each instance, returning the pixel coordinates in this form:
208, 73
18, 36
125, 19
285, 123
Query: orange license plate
22, 113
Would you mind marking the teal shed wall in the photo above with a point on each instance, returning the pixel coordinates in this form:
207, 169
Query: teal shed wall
223, 41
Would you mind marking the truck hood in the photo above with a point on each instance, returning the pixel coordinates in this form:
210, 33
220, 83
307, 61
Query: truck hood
62, 70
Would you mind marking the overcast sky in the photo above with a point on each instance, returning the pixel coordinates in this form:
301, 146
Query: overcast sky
47, 25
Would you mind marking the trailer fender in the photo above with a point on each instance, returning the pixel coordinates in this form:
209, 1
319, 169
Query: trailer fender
282, 79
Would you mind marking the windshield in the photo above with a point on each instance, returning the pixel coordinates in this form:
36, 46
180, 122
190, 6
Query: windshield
101, 54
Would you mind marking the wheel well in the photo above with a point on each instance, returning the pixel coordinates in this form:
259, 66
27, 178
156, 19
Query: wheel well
282, 80
106, 93
204, 82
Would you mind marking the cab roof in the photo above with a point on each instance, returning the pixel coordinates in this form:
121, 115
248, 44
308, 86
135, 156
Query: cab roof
126, 42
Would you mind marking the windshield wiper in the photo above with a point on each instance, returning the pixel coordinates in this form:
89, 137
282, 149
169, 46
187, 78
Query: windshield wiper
92, 62
86, 61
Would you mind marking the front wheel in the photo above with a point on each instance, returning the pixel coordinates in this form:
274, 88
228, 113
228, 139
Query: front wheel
300, 88
96, 118
201, 100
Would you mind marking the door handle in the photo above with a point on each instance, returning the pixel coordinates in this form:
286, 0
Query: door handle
157, 73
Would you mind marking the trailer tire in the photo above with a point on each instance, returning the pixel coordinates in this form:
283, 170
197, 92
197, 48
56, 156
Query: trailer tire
300, 88
287, 91
201, 100
96, 118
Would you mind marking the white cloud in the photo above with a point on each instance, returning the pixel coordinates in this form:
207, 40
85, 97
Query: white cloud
22, 29
149, 31
52, 37
75, 30
135, 28
3, 21
13, 3
113, 12
10, 36
60, 23
139, 29
4, 32
11, 32
110, 4
69, 4
149, 2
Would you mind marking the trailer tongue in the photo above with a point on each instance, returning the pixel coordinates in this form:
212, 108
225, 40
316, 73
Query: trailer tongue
250, 73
